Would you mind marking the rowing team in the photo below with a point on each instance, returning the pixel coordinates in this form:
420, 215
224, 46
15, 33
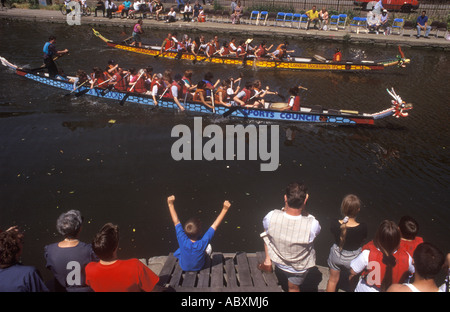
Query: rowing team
200, 46
226, 93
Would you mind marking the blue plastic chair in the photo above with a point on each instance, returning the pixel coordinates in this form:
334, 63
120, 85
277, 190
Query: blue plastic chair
334, 22
263, 16
288, 19
280, 18
397, 26
297, 18
254, 16
342, 22
304, 21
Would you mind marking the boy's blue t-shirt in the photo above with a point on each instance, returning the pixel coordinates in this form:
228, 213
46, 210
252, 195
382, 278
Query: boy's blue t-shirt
191, 255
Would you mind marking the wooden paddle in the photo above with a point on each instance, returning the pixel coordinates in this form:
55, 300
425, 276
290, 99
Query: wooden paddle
83, 92
122, 101
43, 65
76, 89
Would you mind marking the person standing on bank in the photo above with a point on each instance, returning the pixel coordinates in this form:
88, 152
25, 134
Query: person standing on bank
288, 238
59, 256
51, 52
349, 236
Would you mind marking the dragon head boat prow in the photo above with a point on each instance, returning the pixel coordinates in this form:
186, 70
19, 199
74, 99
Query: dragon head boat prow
400, 107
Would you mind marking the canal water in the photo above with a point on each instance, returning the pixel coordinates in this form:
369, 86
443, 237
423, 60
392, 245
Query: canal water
114, 163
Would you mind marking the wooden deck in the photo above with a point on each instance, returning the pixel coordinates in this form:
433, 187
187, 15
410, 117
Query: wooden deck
234, 272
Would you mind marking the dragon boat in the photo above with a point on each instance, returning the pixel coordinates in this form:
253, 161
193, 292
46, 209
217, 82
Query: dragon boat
273, 112
316, 63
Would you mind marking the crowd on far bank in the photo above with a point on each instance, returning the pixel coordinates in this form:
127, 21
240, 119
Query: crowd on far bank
396, 259
377, 19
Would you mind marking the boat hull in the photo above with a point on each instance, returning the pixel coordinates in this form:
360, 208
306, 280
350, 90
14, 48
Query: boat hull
324, 117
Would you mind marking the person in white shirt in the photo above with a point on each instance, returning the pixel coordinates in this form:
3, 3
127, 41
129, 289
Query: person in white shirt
289, 236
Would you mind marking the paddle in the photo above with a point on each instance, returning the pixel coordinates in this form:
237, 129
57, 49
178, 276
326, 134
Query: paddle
83, 92
76, 89
131, 90
160, 97
43, 65
110, 87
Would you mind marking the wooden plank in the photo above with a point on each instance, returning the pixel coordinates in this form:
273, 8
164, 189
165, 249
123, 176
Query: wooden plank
230, 272
270, 278
189, 279
258, 279
203, 275
176, 276
217, 270
166, 271
245, 278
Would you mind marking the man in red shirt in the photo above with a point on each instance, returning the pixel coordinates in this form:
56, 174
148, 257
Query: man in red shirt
112, 274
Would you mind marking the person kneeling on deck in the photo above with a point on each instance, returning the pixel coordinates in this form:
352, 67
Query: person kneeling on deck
193, 246
288, 238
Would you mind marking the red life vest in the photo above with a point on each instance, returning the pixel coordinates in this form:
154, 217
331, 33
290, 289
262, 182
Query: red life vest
121, 84
247, 96
140, 86
296, 106
226, 51
167, 44
197, 96
212, 49
160, 86
337, 57
261, 51
399, 271
180, 89
224, 95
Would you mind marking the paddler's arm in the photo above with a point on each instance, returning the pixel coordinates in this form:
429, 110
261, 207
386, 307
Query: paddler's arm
221, 216
59, 53
173, 213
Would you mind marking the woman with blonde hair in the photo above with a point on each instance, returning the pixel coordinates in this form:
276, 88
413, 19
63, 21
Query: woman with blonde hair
349, 236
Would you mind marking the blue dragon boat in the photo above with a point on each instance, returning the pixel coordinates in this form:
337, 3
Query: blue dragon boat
273, 112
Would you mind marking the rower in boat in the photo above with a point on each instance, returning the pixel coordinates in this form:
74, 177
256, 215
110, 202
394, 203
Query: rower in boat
200, 94
80, 79
195, 46
244, 96
337, 57
262, 50
224, 50
249, 48
157, 88
216, 43
232, 46
240, 51
119, 80
221, 96
168, 44
99, 78
281, 52
211, 48
294, 100
257, 98
137, 81
188, 88
176, 90
208, 83
203, 45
